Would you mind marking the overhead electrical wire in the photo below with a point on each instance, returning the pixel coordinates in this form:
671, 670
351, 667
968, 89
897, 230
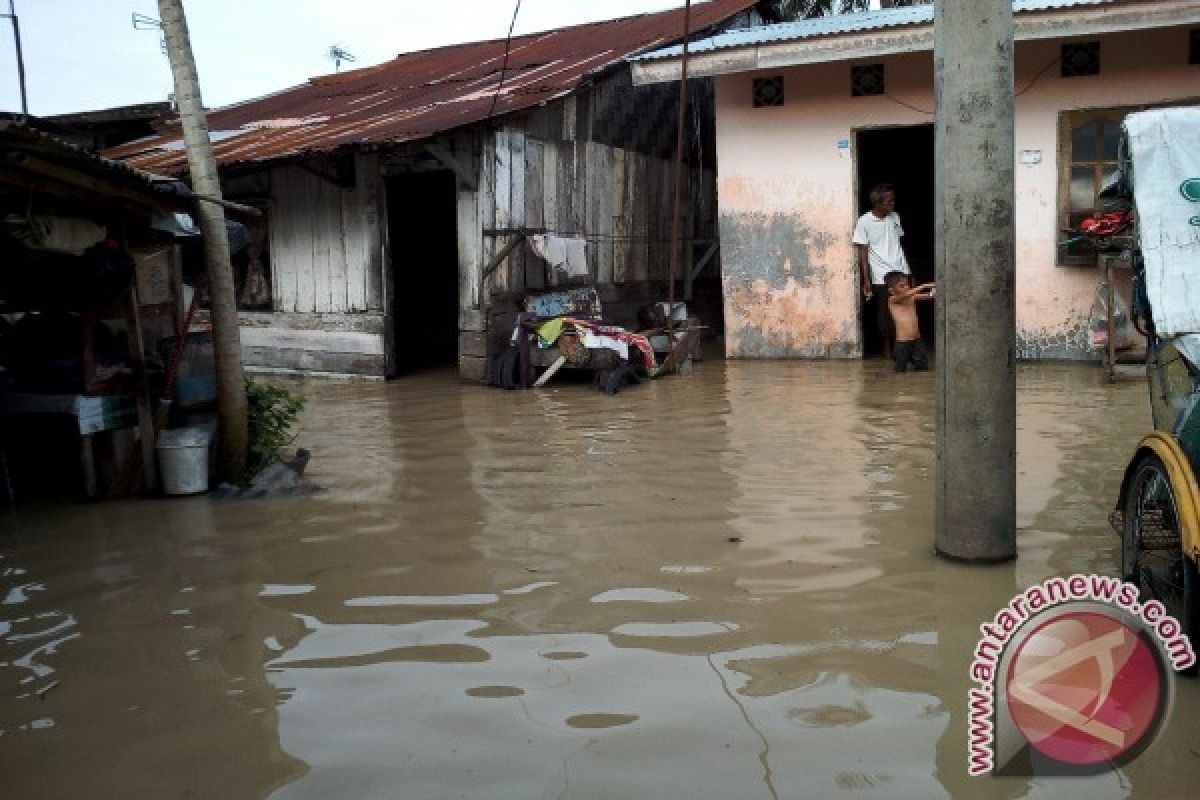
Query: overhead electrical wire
504, 65
1016, 93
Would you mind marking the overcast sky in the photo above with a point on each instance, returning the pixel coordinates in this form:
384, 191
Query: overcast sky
85, 54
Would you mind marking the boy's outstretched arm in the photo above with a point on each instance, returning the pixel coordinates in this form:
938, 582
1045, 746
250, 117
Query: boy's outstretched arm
913, 293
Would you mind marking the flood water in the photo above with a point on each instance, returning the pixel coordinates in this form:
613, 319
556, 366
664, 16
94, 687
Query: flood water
718, 586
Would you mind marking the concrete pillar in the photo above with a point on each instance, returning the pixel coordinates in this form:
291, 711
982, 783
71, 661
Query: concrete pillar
976, 317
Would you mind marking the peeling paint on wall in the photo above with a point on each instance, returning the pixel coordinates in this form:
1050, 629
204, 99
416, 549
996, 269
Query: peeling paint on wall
1070, 340
782, 299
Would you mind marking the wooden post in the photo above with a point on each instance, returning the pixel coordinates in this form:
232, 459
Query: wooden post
202, 165
145, 412
677, 175
1111, 345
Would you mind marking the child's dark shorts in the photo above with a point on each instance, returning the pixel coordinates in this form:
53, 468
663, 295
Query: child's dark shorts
913, 351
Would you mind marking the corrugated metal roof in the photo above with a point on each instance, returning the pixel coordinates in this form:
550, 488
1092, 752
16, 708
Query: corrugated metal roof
17, 139
840, 23
418, 95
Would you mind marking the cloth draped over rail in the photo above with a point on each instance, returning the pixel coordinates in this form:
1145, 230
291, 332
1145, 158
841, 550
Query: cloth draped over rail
598, 335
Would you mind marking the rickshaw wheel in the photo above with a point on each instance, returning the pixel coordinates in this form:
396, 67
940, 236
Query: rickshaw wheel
1152, 550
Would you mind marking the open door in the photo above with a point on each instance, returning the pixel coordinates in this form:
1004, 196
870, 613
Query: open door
902, 157
424, 249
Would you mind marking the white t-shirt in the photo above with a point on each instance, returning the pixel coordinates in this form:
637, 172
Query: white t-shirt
882, 238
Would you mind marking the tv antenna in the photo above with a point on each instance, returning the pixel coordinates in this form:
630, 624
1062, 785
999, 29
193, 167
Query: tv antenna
16, 28
337, 54
143, 23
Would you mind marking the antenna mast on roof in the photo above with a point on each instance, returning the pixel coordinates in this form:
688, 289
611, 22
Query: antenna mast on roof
338, 54
143, 23
12, 15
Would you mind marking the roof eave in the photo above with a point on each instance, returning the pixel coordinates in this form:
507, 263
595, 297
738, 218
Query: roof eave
1029, 26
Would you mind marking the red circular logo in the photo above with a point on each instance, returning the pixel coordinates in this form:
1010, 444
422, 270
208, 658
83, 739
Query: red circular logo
1084, 688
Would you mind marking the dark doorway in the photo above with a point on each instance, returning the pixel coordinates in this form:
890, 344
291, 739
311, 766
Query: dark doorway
423, 242
902, 157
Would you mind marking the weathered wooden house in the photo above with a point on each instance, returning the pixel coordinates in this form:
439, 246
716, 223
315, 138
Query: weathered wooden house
389, 191
810, 114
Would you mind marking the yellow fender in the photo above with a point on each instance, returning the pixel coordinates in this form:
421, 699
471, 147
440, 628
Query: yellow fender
1183, 484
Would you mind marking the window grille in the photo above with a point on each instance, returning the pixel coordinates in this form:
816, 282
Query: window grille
768, 92
1079, 59
867, 80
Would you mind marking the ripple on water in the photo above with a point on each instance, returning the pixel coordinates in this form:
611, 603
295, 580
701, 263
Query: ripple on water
634, 595
830, 716
428, 653
285, 589
531, 587
672, 629
495, 691
593, 721
684, 569
423, 600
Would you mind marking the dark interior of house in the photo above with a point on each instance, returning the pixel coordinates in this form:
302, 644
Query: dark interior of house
424, 247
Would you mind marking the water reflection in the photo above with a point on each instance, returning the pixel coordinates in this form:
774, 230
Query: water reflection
714, 587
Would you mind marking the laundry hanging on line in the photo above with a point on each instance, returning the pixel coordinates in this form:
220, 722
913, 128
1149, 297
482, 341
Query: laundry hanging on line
566, 252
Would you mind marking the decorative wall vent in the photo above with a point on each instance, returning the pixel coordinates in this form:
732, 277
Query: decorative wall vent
768, 91
867, 80
1082, 58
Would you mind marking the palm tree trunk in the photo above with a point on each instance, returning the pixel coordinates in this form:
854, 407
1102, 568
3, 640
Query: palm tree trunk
231, 385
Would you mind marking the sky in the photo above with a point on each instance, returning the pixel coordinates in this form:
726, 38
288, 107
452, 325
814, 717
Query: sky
85, 54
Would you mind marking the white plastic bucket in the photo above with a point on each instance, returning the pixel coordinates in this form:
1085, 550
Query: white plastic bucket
183, 459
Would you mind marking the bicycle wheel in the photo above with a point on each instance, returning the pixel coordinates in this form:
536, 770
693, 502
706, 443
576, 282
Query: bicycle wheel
1152, 550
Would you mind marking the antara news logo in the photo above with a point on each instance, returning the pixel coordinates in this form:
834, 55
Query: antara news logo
1074, 677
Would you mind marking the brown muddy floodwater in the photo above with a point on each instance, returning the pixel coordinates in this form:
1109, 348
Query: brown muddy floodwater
719, 586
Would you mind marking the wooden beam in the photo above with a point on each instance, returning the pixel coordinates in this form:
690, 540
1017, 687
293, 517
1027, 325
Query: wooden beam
549, 373
503, 253
145, 412
700, 265
454, 165
232, 206
512, 231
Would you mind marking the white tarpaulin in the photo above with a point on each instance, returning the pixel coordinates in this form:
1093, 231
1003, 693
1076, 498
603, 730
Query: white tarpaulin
1165, 150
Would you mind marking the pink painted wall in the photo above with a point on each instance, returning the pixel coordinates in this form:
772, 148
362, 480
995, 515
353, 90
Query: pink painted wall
788, 198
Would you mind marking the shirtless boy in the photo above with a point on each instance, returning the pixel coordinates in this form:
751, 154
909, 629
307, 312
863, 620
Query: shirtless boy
902, 303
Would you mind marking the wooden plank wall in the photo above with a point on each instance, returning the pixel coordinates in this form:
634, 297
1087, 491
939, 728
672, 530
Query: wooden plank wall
616, 199
325, 241
326, 273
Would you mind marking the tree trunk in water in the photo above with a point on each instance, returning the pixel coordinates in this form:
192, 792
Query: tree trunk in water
231, 384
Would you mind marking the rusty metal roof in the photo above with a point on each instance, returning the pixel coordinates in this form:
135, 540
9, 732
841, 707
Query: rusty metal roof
418, 95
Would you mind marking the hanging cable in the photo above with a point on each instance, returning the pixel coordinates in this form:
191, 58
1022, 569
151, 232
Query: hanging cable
1037, 77
504, 65
909, 106
1028, 86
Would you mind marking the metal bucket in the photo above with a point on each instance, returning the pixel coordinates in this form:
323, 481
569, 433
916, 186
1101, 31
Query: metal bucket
183, 459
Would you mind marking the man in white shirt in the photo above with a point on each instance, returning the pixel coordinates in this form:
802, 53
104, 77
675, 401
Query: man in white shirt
877, 244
